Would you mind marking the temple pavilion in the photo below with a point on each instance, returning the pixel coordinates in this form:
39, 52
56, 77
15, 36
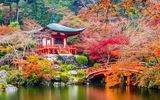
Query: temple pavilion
52, 39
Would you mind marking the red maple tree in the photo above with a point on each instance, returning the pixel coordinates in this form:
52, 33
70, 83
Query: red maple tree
108, 49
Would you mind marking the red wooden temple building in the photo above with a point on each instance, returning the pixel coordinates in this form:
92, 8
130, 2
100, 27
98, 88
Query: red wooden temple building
52, 39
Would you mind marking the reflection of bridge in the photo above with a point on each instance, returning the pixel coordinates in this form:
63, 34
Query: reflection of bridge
108, 71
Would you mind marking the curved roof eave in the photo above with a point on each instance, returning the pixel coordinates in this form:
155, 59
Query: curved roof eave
60, 28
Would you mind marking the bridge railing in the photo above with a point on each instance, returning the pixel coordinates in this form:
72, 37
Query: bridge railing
93, 69
112, 67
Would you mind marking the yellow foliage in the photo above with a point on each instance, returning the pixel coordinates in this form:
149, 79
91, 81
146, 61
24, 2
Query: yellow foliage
7, 49
32, 59
114, 13
124, 6
44, 63
115, 7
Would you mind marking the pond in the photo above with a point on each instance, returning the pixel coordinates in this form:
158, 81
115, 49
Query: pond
81, 93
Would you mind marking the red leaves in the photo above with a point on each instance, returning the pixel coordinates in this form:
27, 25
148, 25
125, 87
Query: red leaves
108, 49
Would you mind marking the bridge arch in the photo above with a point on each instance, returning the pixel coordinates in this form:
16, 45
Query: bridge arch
108, 72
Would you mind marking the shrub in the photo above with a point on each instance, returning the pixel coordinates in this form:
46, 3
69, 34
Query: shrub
4, 67
14, 77
67, 67
81, 80
82, 60
97, 64
80, 73
5, 49
63, 67
14, 24
150, 63
71, 67
33, 45
33, 66
150, 78
72, 40
2, 54
7, 30
3, 85
65, 76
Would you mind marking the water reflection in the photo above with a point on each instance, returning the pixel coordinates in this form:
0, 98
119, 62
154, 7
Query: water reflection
82, 93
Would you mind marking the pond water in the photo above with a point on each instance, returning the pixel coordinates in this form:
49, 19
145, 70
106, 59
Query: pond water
81, 93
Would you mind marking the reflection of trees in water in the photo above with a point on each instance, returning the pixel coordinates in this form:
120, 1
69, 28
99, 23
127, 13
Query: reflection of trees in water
83, 93
104, 93
95, 93
53, 93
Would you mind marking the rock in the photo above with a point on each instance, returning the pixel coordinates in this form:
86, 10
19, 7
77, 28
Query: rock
75, 81
70, 81
51, 57
73, 72
57, 79
45, 83
63, 84
3, 76
11, 88
56, 67
1, 90
81, 81
56, 84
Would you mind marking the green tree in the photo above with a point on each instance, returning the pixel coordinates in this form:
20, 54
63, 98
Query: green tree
36, 9
60, 8
9, 3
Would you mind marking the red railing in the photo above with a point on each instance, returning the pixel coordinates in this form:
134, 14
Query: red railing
57, 48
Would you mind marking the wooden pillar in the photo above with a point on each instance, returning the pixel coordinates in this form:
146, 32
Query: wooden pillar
65, 42
50, 41
46, 42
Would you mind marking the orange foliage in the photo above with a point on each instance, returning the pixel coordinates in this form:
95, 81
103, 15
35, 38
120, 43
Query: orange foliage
34, 67
7, 30
30, 24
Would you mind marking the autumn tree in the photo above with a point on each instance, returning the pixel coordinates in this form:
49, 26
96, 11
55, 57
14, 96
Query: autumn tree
107, 49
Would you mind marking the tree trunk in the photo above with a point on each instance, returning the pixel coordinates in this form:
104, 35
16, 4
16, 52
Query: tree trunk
10, 12
17, 11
